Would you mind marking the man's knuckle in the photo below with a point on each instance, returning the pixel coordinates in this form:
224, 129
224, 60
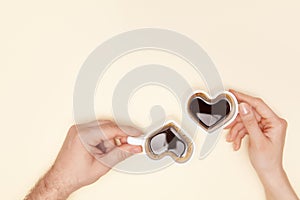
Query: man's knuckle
124, 154
258, 100
73, 128
110, 126
107, 121
283, 122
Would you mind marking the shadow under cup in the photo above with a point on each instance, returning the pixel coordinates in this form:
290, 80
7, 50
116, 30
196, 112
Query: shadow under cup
171, 141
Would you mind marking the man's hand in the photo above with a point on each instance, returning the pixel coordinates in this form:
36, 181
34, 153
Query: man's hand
75, 167
266, 141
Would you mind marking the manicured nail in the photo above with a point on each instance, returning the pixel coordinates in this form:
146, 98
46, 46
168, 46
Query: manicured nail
234, 146
228, 137
244, 109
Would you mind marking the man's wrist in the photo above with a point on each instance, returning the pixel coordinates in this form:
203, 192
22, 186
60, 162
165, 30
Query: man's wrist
51, 187
54, 180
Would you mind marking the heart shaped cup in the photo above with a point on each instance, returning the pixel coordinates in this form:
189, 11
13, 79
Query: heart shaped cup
168, 140
212, 113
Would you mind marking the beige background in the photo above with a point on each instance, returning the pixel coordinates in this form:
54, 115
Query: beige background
254, 44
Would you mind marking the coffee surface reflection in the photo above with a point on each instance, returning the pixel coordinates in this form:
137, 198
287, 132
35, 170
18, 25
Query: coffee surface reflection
169, 140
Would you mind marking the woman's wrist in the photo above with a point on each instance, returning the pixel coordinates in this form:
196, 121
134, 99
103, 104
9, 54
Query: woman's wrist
277, 185
271, 174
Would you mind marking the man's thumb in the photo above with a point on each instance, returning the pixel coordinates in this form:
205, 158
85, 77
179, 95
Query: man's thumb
249, 121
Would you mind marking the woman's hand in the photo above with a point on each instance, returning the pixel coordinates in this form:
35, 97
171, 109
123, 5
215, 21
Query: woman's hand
266, 133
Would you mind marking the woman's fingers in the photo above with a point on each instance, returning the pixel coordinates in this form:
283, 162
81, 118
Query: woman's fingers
250, 123
237, 120
258, 104
234, 131
235, 127
238, 140
252, 112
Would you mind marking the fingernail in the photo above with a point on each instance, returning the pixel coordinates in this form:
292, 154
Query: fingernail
137, 149
244, 109
228, 137
117, 141
234, 146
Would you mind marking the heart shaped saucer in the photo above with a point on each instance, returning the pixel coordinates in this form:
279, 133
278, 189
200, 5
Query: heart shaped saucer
212, 113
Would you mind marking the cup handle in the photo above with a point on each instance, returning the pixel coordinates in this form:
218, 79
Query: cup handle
137, 141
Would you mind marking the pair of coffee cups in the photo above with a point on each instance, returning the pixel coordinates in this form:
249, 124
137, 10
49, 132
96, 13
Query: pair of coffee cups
209, 113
